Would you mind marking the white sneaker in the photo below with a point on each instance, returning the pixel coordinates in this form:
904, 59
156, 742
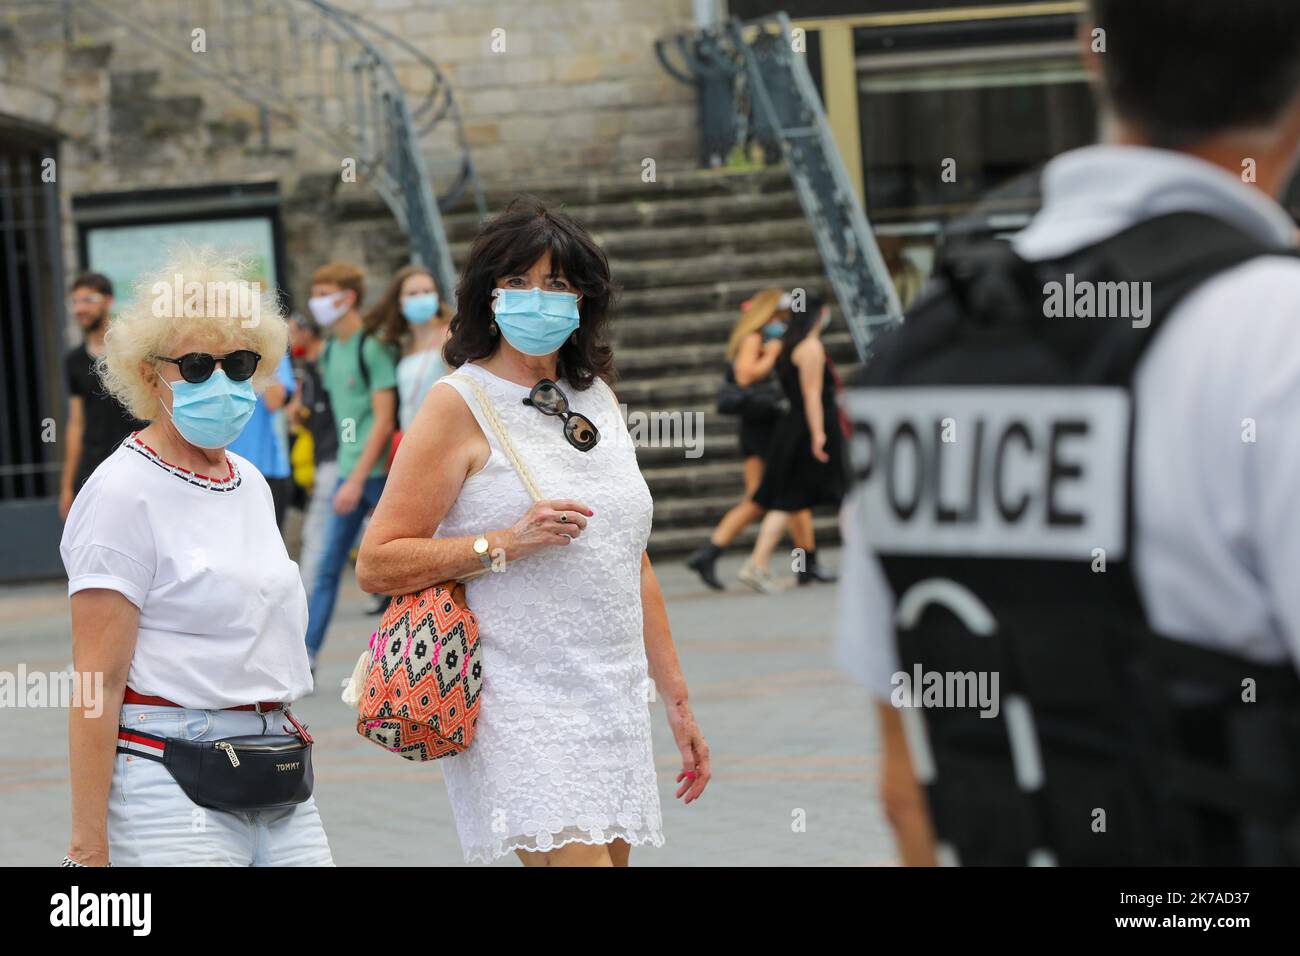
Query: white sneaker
760, 579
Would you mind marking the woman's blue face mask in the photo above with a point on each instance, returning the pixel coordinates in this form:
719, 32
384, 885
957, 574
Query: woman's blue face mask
211, 413
533, 321
421, 308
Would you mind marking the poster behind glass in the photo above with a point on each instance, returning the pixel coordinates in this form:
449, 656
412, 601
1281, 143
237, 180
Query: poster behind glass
124, 253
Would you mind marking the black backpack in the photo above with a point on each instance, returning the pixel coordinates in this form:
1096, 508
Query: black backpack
1111, 714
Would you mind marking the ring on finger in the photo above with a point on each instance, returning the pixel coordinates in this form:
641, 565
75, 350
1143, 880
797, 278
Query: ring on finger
564, 517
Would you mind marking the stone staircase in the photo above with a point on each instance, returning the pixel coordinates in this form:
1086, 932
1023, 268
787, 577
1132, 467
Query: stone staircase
686, 251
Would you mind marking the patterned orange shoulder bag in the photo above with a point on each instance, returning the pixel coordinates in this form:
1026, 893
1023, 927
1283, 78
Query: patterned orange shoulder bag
417, 687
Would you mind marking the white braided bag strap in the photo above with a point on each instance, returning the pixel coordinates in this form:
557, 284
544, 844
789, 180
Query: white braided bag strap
503, 437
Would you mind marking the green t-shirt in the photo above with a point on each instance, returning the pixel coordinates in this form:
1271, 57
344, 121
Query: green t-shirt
350, 400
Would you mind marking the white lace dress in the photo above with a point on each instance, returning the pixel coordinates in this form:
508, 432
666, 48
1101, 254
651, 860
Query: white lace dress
562, 753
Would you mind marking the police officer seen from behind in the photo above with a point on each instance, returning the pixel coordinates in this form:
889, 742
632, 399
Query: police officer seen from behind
1073, 570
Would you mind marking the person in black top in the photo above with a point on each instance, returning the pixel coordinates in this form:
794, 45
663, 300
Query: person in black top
806, 465
96, 423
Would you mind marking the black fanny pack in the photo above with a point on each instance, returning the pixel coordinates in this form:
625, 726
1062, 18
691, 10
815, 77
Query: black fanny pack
253, 772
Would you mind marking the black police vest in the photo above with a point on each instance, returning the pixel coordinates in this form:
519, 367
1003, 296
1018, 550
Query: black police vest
992, 440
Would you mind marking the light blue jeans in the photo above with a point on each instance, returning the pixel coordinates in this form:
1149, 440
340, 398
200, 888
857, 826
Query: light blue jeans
319, 508
151, 822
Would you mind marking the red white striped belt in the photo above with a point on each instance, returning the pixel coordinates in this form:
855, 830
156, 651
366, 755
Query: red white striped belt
146, 745
152, 745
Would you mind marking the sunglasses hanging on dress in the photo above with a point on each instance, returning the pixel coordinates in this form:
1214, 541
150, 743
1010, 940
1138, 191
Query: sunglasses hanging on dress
579, 430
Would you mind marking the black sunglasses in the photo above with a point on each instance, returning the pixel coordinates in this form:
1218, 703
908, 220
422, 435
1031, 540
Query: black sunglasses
579, 430
198, 366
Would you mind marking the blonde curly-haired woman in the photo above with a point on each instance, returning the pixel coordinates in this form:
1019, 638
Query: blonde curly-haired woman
182, 593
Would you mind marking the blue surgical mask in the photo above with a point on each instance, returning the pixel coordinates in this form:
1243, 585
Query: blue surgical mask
533, 321
774, 329
212, 413
420, 308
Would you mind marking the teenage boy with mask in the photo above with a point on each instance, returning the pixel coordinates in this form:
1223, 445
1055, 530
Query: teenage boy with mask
96, 422
360, 375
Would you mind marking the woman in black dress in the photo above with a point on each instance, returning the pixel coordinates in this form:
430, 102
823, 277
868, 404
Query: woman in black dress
806, 459
752, 351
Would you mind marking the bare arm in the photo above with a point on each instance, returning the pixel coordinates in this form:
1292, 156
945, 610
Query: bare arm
666, 675
810, 358
73, 435
661, 655
293, 414
294, 411
902, 796
275, 397
754, 360
104, 629
443, 448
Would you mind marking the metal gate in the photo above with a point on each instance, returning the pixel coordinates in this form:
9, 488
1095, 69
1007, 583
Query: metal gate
31, 321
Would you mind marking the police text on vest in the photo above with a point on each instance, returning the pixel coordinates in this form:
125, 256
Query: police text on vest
1033, 472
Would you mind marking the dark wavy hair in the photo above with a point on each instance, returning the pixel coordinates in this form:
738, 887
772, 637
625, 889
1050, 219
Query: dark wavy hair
508, 245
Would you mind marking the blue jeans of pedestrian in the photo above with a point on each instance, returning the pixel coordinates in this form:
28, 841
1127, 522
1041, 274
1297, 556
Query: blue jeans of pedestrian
151, 822
340, 535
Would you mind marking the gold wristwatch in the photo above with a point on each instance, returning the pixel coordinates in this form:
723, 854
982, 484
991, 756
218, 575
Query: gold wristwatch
481, 549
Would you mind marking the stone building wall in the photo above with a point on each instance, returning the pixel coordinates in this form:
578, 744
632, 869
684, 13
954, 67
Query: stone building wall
547, 89
555, 86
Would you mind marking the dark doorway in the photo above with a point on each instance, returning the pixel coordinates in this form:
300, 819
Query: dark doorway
31, 322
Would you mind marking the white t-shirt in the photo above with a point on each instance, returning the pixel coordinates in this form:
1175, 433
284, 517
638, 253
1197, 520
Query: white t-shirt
1216, 528
223, 612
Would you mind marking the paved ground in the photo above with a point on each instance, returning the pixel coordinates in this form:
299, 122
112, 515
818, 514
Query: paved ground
790, 737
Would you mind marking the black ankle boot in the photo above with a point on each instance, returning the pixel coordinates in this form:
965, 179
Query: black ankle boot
813, 573
701, 562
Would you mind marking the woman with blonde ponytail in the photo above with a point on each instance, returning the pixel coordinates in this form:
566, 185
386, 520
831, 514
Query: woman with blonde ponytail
752, 350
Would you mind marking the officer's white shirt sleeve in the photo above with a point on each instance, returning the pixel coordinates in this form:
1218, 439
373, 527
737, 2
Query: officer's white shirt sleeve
1217, 489
1276, 474
864, 637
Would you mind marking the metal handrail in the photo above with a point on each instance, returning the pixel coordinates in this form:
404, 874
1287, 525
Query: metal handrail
438, 103
775, 104
320, 71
